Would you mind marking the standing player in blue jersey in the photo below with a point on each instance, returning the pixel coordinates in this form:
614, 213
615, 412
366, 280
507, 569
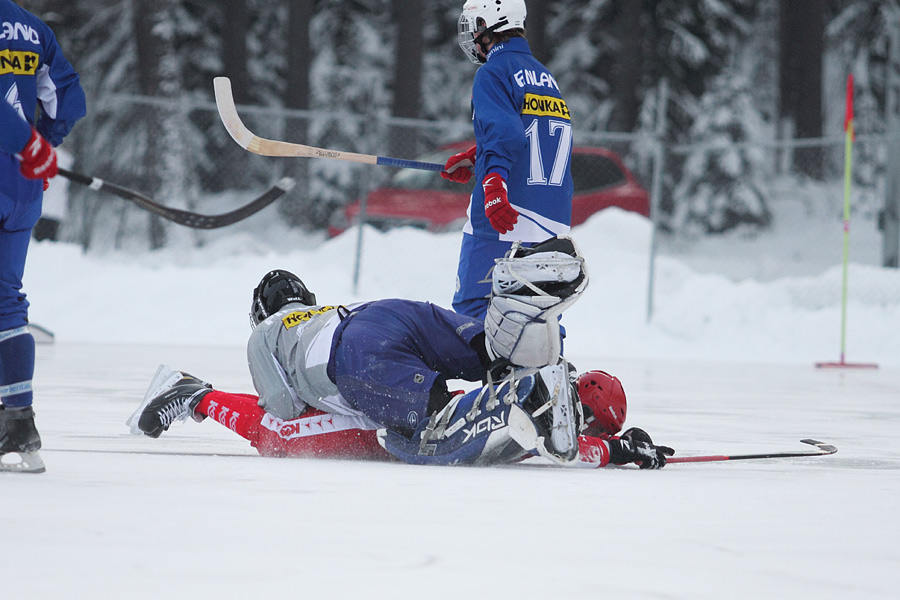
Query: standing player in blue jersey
34, 75
523, 143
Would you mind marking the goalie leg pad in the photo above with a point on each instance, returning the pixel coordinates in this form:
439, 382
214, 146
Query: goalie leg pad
554, 267
478, 428
519, 330
498, 424
531, 288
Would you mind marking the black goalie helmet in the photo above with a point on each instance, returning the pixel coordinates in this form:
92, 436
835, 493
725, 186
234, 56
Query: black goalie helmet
274, 291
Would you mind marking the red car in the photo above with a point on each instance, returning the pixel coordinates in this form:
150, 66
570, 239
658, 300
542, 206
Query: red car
425, 200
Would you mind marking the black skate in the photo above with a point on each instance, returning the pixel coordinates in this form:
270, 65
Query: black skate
172, 396
19, 441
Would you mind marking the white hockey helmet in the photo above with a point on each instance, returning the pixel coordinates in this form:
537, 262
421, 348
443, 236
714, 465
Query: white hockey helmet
480, 17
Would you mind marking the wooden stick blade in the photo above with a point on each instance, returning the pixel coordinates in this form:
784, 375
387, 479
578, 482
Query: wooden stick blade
228, 113
264, 147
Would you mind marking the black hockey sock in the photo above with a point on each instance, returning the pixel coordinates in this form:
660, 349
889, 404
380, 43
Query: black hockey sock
478, 345
439, 397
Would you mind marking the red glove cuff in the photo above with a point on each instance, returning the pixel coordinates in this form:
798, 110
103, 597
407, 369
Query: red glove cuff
593, 451
460, 167
497, 209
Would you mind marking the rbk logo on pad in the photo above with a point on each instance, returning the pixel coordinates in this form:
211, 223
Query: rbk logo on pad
486, 425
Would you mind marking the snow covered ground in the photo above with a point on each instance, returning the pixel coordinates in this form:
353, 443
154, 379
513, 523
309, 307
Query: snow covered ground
115, 516
725, 367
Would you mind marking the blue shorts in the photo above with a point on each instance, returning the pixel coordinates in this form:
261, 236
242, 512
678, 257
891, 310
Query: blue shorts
16, 221
388, 354
473, 276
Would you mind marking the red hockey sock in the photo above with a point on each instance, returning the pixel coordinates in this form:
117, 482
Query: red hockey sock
314, 434
238, 412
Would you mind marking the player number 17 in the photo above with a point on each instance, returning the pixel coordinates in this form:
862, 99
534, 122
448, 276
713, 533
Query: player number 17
560, 130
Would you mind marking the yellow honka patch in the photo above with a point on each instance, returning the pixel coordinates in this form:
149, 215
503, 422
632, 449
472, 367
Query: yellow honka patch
18, 62
302, 316
545, 106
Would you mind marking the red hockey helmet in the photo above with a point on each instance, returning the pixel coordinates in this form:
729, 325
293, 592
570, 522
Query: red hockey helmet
604, 403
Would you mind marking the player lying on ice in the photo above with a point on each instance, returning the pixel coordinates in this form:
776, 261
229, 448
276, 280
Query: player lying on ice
370, 380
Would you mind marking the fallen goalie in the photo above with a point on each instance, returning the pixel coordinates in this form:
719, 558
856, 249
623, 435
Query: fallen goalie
370, 380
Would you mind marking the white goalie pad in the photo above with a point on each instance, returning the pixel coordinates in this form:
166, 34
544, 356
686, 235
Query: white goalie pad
530, 273
529, 292
521, 332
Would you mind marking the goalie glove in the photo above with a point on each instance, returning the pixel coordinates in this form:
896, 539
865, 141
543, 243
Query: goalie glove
635, 446
460, 167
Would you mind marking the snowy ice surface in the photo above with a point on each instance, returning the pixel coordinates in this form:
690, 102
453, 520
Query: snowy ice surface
724, 367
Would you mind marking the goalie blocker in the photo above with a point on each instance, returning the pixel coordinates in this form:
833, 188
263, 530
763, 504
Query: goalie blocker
531, 288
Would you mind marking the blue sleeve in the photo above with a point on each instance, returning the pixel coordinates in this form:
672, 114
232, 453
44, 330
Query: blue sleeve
14, 131
59, 92
499, 130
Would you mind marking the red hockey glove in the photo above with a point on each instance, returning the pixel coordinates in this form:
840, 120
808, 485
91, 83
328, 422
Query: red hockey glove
497, 208
38, 158
460, 167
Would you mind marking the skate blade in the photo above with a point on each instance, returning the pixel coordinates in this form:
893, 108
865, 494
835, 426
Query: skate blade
21, 462
164, 378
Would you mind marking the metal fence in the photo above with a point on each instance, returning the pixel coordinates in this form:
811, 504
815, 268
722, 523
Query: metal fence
180, 154
714, 204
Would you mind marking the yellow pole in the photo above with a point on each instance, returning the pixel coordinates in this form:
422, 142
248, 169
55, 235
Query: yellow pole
848, 180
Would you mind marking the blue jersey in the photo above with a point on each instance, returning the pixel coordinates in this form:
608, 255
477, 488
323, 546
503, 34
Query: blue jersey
15, 130
33, 73
523, 132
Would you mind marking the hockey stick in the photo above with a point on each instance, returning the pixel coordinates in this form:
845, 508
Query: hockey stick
183, 217
148, 452
257, 145
822, 449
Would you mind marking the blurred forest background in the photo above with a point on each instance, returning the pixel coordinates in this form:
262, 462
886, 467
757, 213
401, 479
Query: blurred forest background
387, 77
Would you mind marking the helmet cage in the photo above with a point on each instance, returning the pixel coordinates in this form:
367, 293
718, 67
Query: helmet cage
480, 19
469, 36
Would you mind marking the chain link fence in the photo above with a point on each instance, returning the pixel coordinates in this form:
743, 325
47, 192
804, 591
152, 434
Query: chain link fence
754, 209
180, 154
765, 210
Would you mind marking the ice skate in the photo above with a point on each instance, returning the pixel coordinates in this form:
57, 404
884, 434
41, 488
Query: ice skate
552, 408
19, 441
172, 395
